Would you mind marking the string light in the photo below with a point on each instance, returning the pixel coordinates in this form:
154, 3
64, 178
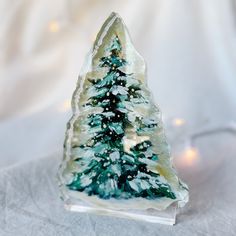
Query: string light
230, 128
178, 122
65, 106
53, 26
189, 157
191, 152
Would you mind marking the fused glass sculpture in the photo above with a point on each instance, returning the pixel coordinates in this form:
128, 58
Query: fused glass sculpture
116, 158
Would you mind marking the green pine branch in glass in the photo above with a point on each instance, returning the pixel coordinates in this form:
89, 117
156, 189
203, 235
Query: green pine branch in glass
115, 147
111, 171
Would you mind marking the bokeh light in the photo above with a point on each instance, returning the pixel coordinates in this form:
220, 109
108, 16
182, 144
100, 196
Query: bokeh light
53, 26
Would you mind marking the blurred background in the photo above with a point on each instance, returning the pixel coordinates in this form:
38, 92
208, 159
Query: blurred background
190, 50
189, 47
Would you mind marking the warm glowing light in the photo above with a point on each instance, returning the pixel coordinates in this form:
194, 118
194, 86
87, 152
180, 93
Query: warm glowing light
53, 26
65, 106
178, 122
190, 156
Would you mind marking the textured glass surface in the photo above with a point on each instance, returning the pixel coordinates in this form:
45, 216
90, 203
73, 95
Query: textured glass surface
116, 157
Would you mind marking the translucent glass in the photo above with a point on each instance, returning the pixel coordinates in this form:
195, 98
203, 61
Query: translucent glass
116, 158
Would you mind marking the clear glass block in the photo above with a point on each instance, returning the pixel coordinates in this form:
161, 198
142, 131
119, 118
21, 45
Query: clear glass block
116, 158
167, 216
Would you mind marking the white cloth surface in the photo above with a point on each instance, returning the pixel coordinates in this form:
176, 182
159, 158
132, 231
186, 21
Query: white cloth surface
29, 202
190, 50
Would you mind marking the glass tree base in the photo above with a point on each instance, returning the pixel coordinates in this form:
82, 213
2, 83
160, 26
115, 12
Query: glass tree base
167, 217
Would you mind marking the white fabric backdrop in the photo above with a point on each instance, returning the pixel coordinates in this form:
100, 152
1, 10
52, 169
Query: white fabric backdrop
190, 50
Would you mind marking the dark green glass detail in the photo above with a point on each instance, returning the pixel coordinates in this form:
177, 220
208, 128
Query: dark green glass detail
105, 168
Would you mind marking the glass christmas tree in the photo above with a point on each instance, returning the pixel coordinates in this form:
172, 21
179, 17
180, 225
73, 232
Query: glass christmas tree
116, 159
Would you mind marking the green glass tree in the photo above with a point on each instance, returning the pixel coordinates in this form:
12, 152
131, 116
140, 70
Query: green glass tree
111, 171
115, 153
